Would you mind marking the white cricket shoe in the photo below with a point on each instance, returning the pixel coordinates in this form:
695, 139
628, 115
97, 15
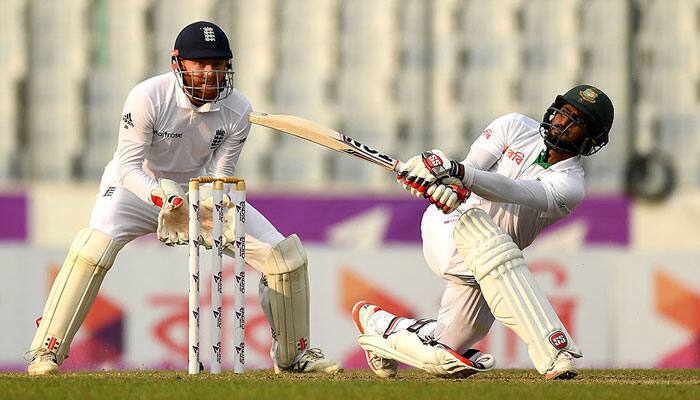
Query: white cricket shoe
43, 363
362, 311
311, 360
562, 368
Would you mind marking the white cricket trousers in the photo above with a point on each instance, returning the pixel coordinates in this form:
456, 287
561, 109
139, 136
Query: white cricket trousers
464, 318
122, 215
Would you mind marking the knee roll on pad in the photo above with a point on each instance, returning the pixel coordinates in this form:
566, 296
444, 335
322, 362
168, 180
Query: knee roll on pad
91, 255
288, 296
510, 290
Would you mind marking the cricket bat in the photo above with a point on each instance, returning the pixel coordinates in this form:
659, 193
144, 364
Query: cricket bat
337, 141
316, 133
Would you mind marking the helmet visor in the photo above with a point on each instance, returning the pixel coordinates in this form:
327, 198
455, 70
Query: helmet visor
205, 86
559, 137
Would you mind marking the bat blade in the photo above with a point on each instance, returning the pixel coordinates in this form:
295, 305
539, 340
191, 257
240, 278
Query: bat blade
334, 140
324, 136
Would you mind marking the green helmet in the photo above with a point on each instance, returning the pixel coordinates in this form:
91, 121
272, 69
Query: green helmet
596, 105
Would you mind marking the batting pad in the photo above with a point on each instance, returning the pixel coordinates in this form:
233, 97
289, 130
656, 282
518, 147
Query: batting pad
90, 257
406, 347
288, 294
510, 290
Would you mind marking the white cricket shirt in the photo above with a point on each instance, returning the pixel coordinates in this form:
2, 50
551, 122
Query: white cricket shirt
163, 135
521, 196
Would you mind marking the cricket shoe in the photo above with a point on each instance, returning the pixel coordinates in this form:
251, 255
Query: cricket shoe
362, 311
43, 363
562, 368
311, 360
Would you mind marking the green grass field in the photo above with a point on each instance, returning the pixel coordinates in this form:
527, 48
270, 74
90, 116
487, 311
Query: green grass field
412, 384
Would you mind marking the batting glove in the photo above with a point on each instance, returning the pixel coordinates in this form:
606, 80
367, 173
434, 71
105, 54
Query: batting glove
414, 178
421, 171
446, 197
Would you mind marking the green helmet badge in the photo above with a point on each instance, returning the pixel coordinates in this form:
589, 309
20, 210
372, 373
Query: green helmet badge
588, 95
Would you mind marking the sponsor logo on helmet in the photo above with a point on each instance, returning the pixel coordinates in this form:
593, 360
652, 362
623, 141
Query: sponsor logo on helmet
589, 95
558, 340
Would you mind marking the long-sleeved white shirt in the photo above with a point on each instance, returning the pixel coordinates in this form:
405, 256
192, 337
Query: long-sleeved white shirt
163, 135
521, 196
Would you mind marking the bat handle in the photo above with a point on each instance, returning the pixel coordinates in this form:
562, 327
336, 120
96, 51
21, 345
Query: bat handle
397, 166
462, 192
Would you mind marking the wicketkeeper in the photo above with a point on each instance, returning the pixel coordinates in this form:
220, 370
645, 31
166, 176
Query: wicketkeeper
175, 126
523, 175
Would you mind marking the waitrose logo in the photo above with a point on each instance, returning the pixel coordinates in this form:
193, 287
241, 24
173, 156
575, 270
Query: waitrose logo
166, 134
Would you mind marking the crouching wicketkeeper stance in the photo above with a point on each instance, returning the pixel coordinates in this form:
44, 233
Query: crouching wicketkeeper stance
523, 176
175, 126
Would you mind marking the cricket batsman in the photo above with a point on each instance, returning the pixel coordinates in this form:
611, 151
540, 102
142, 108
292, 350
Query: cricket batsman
175, 126
523, 176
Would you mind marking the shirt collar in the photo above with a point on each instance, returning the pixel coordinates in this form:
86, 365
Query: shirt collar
569, 163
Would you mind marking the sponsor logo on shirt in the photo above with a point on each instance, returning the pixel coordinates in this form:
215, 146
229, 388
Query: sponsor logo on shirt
126, 118
516, 156
167, 135
561, 202
487, 133
218, 138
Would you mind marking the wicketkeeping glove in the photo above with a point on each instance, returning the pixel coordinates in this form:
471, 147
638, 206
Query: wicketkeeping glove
173, 219
206, 215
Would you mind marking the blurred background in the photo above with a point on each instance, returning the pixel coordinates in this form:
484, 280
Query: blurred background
401, 76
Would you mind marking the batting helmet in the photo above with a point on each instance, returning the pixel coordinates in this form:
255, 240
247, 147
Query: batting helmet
203, 40
599, 110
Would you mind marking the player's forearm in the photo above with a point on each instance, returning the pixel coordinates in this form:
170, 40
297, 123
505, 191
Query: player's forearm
137, 182
495, 187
